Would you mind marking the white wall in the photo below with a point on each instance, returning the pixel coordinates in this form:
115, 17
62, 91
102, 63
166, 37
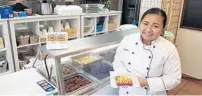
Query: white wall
189, 45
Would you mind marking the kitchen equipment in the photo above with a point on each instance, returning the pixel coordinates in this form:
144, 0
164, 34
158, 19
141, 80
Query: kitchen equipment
46, 8
43, 8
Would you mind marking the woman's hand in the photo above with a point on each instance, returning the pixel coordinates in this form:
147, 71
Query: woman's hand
143, 82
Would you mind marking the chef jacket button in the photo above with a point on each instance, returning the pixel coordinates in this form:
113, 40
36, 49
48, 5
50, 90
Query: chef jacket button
154, 46
127, 92
133, 52
136, 43
148, 68
145, 88
129, 63
149, 57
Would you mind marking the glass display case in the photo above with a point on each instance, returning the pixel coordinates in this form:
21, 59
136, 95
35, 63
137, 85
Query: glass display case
89, 62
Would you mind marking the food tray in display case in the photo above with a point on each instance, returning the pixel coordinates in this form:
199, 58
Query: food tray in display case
85, 60
67, 70
99, 71
76, 83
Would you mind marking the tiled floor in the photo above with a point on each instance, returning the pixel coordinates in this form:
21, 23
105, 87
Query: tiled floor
187, 87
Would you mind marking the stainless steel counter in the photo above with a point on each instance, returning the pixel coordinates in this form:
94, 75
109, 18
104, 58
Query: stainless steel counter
86, 44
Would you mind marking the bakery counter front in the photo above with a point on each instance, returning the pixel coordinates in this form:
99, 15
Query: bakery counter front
87, 64
88, 72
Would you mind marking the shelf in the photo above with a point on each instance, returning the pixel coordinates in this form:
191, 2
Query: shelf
112, 30
72, 37
89, 34
42, 42
101, 32
4, 73
21, 46
88, 26
3, 49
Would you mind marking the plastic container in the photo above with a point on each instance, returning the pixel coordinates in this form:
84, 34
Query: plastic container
6, 12
99, 28
24, 40
85, 60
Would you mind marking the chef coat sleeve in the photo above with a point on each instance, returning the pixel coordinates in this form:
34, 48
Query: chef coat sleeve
171, 74
118, 63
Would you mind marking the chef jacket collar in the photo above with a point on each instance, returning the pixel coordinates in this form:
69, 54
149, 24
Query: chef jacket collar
152, 43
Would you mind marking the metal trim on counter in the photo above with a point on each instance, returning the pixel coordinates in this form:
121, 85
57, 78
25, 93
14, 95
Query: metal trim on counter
86, 44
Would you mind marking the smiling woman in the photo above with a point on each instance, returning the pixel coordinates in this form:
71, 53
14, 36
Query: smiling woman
148, 56
152, 24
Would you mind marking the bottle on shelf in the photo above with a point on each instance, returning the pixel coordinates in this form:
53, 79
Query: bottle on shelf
43, 35
67, 26
50, 29
62, 28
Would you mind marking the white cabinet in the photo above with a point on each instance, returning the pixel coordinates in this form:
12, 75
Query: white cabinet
6, 60
26, 34
99, 23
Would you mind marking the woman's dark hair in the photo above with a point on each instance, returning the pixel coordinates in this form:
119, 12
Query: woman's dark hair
157, 11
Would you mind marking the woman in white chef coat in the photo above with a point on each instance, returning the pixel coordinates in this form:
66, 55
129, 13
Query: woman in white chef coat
152, 58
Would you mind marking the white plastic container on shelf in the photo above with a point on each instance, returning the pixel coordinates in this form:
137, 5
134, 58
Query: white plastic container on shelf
68, 10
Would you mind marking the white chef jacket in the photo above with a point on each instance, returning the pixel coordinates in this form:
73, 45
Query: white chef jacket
159, 63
